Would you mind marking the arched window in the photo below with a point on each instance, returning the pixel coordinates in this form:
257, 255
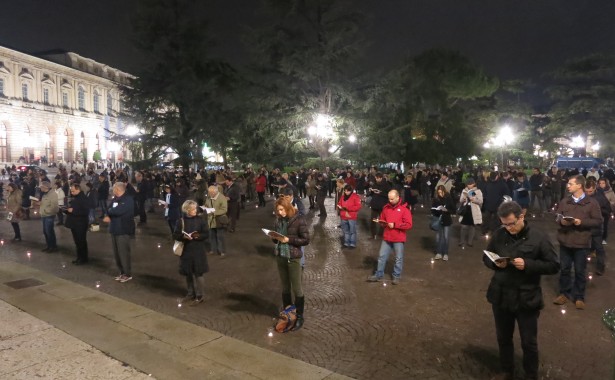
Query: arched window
81, 98
1, 87
82, 141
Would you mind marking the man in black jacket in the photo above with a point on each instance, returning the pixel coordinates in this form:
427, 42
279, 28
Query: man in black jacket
140, 197
77, 221
120, 217
493, 196
514, 292
605, 210
103, 194
232, 192
322, 187
379, 192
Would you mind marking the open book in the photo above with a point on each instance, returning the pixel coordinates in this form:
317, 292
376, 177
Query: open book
561, 217
273, 234
380, 221
34, 199
161, 202
439, 208
495, 257
208, 210
188, 234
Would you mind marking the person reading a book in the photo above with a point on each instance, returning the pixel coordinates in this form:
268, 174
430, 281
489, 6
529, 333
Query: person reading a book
193, 232
518, 256
579, 215
293, 234
396, 219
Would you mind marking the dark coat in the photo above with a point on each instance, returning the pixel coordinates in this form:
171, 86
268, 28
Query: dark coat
447, 202
174, 207
605, 210
103, 190
588, 210
81, 209
298, 235
193, 259
121, 211
514, 289
493, 194
379, 200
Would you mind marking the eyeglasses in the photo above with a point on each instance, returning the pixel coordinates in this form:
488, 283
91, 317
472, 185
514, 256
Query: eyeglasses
572, 184
506, 225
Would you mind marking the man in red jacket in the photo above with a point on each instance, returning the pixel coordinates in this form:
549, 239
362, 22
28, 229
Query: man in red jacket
396, 220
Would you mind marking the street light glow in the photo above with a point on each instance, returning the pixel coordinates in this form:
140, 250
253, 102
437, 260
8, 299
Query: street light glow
352, 138
321, 127
577, 142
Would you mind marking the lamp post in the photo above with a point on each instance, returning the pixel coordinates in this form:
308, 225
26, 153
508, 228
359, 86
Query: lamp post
321, 132
504, 138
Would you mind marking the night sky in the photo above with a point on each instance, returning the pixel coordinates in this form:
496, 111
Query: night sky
511, 39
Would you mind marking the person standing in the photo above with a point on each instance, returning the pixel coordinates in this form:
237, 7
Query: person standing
192, 231
443, 206
605, 188
13, 205
310, 190
61, 199
103, 194
378, 191
261, 186
322, 187
349, 206
536, 194
48, 209
77, 221
605, 210
232, 193
171, 207
574, 236
295, 232
140, 197
514, 291
397, 219
216, 231
472, 198
493, 196
120, 217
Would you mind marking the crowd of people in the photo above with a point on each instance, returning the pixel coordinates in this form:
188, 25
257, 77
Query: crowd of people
202, 206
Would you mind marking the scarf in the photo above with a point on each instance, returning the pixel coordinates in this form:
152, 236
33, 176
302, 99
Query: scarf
283, 248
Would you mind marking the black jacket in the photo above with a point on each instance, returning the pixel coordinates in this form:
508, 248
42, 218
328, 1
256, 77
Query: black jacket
298, 235
447, 202
493, 194
81, 209
515, 289
379, 200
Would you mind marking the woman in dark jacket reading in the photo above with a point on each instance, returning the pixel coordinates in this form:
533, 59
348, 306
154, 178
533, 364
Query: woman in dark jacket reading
295, 234
193, 232
443, 206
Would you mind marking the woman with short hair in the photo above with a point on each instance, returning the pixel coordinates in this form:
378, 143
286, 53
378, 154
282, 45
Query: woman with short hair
192, 231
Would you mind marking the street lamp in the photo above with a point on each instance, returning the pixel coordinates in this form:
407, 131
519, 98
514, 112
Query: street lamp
504, 138
352, 139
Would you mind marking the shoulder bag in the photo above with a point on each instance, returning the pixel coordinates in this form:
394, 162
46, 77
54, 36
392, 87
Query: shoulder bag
178, 246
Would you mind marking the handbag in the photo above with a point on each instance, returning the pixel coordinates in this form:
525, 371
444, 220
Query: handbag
178, 246
221, 221
435, 223
462, 208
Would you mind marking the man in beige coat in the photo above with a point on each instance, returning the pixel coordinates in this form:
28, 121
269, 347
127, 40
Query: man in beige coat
218, 203
49, 209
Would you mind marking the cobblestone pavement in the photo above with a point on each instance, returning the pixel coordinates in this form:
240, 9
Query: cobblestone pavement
435, 325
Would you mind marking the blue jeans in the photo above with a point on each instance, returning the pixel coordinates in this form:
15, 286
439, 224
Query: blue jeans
349, 227
48, 231
442, 240
385, 249
574, 290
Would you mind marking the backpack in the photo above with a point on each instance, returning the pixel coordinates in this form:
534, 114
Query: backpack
286, 319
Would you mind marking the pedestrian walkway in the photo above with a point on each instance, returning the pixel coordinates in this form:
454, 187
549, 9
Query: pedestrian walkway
68, 331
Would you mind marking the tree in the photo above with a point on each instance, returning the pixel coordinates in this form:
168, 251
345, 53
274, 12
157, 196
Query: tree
180, 96
418, 112
302, 67
583, 93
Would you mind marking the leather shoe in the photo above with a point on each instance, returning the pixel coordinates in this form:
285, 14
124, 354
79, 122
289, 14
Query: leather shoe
579, 304
79, 262
46, 249
50, 250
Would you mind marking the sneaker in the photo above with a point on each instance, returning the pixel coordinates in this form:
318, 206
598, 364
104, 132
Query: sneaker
374, 278
125, 278
196, 301
603, 242
396, 281
222, 255
560, 300
210, 253
438, 257
445, 258
118, 277
579, 304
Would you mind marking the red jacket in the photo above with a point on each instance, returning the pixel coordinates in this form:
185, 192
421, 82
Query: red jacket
261, 184
352, 205
401, 217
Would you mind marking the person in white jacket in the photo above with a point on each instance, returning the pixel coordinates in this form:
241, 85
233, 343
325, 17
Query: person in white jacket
61, 196
469, 212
